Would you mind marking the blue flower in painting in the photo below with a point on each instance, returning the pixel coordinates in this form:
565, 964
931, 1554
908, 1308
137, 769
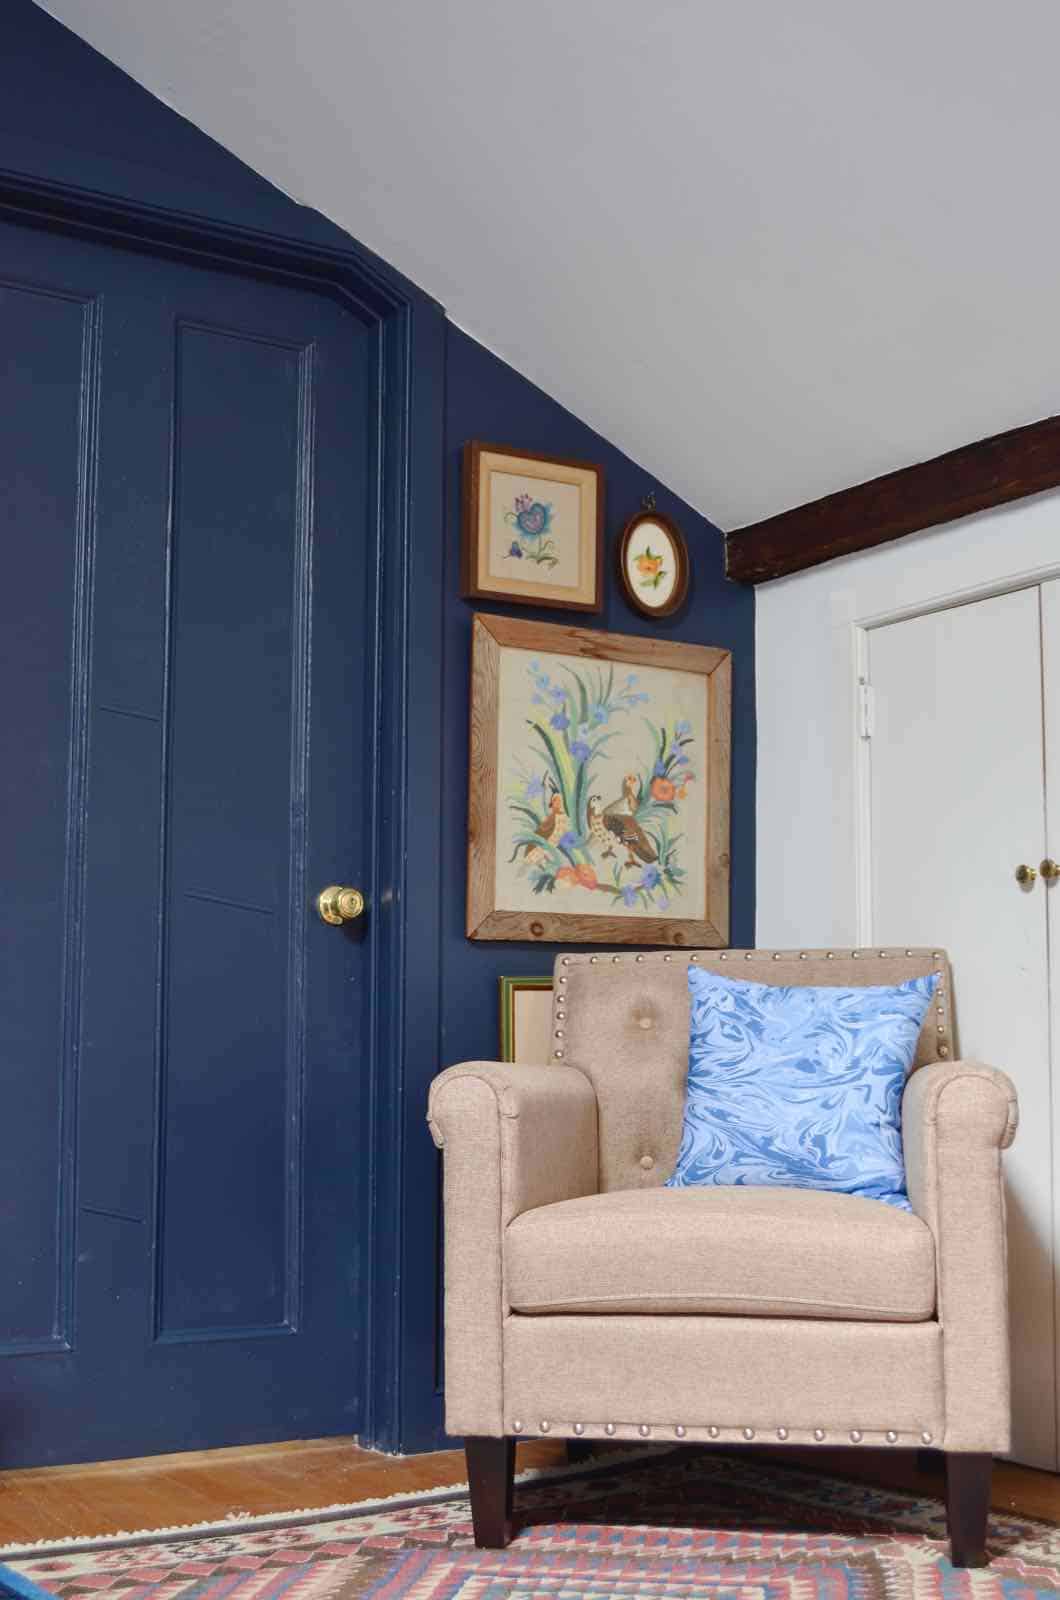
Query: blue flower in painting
568, 840
560, 721
663, 902
580, 750
658, 771
681, 761
631, 680
599, 714
537, 700
535, 789
629, 896
516, 549
649, 878
557, 693
682, 729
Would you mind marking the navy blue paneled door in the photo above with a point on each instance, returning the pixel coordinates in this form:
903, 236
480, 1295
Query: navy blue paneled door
187, 610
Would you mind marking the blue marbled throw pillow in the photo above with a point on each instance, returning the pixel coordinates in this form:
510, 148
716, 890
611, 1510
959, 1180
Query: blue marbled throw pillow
799, 1087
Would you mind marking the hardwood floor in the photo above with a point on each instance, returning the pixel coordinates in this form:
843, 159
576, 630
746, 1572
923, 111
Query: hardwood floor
164, 1491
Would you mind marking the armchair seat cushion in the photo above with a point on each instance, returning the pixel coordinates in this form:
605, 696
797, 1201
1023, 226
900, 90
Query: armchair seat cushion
742, 1251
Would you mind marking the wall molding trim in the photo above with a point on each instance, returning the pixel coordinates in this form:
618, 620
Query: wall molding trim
403, 874
990, 472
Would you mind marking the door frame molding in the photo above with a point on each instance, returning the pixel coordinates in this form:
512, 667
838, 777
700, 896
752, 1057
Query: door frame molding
855, 644
403, 874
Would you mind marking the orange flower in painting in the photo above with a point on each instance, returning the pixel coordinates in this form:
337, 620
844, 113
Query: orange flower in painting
579, 877
648, 565
662, 789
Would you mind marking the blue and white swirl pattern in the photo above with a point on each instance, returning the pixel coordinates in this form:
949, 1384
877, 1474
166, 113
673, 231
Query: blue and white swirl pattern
799, 1087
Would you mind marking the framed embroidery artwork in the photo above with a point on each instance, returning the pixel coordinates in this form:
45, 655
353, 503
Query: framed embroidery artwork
653, 564
532, 529
599, 787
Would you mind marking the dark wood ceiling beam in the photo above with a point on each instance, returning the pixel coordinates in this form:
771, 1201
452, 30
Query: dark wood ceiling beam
991, 472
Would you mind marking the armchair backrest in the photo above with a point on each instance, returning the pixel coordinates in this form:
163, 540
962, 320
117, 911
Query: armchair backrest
622, 1017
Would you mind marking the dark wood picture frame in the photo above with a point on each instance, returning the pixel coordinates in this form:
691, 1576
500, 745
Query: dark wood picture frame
523, 591
679, 592
485, 920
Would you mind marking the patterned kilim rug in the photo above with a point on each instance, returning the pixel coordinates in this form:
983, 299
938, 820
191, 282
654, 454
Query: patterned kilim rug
678, 1527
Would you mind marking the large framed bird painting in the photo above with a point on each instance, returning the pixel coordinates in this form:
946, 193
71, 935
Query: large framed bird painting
599, 787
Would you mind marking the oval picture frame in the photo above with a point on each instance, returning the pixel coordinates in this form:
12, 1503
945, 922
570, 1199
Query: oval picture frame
653, 564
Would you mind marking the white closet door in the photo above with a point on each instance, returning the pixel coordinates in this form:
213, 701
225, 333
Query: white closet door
956, 798
1050, 602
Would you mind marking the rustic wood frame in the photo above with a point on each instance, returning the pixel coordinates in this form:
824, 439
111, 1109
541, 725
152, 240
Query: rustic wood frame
684, 570
991, 472
484, 920
471, 477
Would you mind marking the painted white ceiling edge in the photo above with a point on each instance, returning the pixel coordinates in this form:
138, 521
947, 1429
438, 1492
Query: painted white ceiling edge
769, 251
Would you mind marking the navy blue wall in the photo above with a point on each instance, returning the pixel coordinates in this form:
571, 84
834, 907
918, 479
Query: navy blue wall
68, 115
486, 399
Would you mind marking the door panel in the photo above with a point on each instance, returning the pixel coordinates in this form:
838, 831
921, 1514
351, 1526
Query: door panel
956, 804
43, 681
1050, 606
185, 699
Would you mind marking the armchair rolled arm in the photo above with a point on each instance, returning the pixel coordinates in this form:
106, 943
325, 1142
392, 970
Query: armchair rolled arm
514, 1137
957, 1117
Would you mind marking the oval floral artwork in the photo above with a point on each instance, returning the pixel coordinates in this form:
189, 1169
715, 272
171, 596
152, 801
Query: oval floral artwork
603, 799
653, 564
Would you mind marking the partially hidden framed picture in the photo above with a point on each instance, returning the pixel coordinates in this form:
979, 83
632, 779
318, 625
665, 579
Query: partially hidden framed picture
532, 529
526, 1020
653, 564
599, 787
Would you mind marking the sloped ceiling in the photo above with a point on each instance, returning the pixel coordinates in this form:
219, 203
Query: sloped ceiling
769, 250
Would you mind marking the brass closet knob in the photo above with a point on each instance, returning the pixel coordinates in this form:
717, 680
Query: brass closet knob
338, 904
1024, 875
1049, 869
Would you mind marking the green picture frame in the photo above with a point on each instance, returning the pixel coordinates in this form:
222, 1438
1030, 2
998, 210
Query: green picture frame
521, 1023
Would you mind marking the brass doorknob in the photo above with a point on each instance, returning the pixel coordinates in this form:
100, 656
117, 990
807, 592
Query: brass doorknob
1049, 869
337, 904
1024, 875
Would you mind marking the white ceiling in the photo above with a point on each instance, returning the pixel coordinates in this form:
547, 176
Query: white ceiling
770, 250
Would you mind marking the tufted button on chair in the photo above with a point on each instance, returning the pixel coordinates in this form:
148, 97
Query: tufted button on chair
584, 1300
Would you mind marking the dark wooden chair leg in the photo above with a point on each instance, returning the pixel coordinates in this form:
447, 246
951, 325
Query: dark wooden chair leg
930, 1461
490, 1477
967, 1506
579, 1450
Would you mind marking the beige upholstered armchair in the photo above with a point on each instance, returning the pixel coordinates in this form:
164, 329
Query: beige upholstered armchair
585, 1301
